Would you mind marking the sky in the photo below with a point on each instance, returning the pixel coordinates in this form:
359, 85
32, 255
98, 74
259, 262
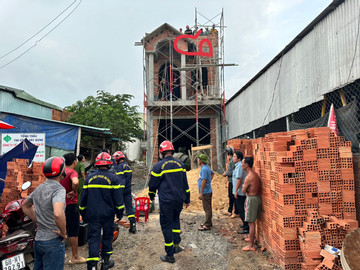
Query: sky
93, 48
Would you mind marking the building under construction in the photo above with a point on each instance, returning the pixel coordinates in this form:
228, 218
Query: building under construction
184, 94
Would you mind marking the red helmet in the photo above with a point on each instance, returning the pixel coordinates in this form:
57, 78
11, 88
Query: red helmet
103, 159
118, 155
53, 167
166, 146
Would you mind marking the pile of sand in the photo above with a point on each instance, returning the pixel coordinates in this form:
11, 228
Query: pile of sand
220, 198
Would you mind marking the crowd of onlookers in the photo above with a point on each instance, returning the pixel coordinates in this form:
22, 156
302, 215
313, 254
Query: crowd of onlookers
69, 197
243, 191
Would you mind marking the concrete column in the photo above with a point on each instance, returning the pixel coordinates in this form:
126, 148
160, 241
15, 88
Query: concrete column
151, 76
183, 77
78, 142
218, 143
287, 123
149, 144
217, 71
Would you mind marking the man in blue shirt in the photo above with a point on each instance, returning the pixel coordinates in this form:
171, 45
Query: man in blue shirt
205, 190
238, 178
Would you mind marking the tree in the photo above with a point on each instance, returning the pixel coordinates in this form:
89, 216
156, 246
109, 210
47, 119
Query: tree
108, 111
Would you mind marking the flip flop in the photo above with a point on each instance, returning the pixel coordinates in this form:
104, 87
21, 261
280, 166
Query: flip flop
80, 260
247, 239
248, 249
203, 228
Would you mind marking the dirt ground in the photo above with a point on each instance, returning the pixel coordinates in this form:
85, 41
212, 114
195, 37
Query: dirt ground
219, 248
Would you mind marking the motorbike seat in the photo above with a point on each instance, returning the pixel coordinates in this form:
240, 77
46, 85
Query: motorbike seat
17, 235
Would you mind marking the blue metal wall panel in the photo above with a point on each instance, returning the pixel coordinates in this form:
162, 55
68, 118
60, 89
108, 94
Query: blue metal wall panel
11, 104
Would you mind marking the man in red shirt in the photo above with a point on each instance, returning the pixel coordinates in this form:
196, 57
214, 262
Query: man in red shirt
71, 185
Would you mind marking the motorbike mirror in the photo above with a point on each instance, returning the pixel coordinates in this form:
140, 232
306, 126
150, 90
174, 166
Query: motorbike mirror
26, 185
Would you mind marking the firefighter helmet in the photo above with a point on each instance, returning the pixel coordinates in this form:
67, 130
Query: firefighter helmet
166, 146
118, 155
103, 159
53, 167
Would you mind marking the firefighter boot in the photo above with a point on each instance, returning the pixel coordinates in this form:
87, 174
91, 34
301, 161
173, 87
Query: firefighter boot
91, 265
132, 228
107, 263
166, 258
178, 248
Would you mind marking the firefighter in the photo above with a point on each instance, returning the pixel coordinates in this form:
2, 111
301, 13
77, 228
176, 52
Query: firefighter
169, 177
123, 170
101, 198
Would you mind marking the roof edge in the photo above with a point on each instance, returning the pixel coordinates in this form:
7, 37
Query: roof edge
292, 44
21, 94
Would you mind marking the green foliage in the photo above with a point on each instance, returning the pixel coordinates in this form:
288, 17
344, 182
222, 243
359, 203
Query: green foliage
108, 111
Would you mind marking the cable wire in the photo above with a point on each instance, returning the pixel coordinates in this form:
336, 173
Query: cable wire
39, 40
38, 31
273, 96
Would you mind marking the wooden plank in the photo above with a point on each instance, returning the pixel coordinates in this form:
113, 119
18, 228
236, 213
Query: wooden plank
196, 148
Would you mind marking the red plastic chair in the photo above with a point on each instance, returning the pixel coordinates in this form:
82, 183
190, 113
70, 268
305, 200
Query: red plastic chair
142, 204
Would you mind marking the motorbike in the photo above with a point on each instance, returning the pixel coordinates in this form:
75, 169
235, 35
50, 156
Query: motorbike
18, 234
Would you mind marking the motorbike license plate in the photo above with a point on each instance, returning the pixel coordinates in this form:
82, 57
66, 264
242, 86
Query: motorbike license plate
14, 263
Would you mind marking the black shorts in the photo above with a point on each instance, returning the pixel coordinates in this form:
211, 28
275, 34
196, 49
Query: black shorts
72, 220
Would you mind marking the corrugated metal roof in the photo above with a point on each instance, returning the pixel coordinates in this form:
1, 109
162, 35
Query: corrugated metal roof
291, 45
317, 62
25, 96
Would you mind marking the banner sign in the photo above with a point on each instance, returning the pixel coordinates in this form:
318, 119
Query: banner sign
10, 140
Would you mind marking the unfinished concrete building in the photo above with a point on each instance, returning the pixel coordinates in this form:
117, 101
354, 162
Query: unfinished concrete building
183, 94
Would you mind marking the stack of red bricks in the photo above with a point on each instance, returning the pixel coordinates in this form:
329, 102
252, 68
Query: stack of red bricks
330, 261
302, 171
242, 145
18, 172
319, 231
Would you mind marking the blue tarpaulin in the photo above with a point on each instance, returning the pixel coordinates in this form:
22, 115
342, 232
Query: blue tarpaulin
24, 150
57, 135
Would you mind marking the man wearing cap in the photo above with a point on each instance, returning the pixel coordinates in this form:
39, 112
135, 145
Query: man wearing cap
205, 190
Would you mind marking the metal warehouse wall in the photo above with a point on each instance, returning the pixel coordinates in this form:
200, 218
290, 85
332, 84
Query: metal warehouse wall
9, 103
318, 64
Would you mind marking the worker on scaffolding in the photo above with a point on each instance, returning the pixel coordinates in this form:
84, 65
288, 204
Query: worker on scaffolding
169, 177
123, 170
213, 30
188, 31
101, 198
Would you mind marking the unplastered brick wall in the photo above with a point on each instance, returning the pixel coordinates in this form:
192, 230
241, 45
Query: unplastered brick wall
18, 172
308, 189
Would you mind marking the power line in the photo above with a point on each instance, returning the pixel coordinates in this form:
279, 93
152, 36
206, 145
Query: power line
273, 96
39, 40
38, 31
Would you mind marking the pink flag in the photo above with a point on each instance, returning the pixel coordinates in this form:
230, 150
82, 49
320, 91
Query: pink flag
332, 120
